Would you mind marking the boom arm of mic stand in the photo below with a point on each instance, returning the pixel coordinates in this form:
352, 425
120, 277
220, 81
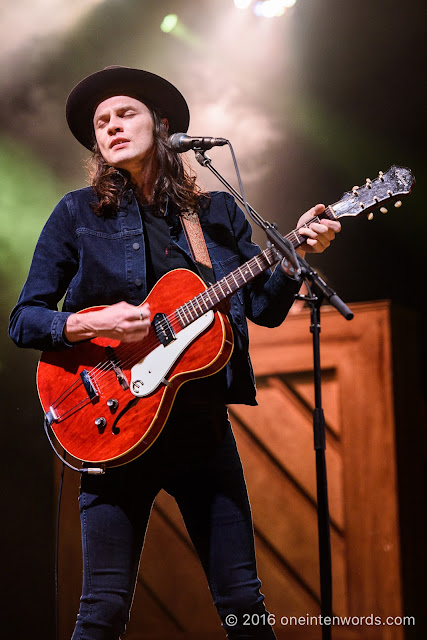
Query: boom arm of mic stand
302, 268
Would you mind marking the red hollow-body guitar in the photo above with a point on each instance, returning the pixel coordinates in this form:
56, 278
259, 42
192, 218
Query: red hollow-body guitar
106, 401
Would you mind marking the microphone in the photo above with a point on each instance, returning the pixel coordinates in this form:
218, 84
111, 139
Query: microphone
182, 142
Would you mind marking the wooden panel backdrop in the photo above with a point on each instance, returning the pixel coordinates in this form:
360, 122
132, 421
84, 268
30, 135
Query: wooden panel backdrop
276, 445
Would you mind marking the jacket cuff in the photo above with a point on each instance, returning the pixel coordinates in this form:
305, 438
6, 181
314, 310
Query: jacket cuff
57, 329
281, 280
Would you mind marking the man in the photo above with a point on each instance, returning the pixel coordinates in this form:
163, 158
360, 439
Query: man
108, 244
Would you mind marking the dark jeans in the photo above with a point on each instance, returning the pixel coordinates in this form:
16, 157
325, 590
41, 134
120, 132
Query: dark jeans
195, 460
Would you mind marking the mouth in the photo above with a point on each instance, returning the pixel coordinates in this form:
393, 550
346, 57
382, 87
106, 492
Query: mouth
118, 142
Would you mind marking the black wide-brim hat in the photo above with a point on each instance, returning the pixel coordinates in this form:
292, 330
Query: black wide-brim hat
155, 92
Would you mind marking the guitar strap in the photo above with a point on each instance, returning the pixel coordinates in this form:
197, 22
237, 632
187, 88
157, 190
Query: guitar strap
196, 241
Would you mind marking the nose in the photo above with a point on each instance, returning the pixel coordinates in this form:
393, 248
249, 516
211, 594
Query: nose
114, 125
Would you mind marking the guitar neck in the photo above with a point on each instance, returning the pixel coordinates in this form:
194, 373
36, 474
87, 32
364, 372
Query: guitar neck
224, 288
237, 279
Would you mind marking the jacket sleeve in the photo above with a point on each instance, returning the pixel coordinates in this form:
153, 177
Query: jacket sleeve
35, 320
269, 296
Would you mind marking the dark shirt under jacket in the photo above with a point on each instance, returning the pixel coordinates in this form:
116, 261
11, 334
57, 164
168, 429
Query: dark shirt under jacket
161, 253
98, 260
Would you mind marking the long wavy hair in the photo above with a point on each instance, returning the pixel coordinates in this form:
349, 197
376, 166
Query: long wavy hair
174, 181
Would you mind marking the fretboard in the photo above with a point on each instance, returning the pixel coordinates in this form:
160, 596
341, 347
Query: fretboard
224, 288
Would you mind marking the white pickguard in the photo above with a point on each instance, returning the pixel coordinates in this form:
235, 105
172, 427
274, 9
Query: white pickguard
152, 371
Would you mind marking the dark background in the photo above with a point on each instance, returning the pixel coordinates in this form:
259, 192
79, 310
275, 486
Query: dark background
314, 102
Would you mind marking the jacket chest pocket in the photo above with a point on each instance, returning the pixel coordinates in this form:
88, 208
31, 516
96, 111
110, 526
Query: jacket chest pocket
111, 269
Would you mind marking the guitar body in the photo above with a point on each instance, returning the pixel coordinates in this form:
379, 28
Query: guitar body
91, 430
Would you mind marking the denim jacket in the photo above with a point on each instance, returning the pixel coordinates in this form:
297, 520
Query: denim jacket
101, 260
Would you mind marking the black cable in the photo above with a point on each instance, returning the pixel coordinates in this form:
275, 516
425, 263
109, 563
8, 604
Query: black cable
239, 179
205, 161
56, 568
91, 470
249, 209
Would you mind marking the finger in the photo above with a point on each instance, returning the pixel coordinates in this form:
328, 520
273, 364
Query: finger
315, 211
320, 230
134, 331
143, 312
316, 245
314, 230
335, 225
323, 239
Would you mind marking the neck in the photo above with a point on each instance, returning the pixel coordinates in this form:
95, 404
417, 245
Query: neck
144, 179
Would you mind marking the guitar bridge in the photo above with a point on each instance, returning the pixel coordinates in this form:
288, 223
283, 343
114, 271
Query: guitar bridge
121, 378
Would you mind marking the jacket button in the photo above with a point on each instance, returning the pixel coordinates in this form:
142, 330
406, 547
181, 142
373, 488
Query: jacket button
138, 282
135, 246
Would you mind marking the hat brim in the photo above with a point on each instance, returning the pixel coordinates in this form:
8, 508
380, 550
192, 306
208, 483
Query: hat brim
149, 88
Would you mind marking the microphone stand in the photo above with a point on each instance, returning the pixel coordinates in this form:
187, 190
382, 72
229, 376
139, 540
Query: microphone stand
318, 291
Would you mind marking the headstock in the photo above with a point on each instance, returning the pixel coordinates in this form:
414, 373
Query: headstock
389, 186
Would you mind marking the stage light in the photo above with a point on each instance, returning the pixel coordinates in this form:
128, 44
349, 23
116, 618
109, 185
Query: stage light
169, 23
272, 8
176, 28
269, 9
242, 4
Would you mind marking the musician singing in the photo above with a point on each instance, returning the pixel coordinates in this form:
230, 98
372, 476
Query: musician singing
109, 244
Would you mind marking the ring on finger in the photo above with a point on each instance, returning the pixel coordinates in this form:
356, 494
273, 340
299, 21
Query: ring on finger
141, 315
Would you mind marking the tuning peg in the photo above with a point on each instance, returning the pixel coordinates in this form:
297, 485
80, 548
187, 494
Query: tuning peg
380, 175
370, 216
383, 210
368, 183
354, 190
398, 203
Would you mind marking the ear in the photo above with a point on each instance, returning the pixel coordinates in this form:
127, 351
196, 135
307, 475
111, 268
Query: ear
165, 123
